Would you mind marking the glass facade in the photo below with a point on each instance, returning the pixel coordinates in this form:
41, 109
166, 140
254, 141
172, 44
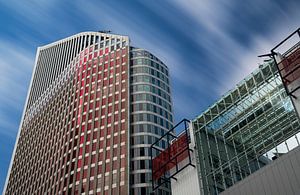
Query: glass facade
151, 116
242, 131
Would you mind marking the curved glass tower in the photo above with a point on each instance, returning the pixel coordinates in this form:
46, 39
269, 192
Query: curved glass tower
151, 115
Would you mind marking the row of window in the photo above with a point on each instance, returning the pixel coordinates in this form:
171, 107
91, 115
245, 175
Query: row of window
113, 165
152, 108
147, 190
151, 71
150, 79
94, 71
152, 98
143, 53
140, 178
140, 164
113, 41
147, 128
104, 41
150, 88
151, 118
97, 74
146, 139
145, 61
104, 55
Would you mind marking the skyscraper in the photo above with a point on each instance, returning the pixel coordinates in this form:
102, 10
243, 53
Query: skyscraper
94, 107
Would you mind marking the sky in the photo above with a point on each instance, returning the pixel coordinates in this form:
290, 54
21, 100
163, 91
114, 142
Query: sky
208, 45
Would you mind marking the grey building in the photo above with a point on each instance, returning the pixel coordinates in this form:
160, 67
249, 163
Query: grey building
151, 115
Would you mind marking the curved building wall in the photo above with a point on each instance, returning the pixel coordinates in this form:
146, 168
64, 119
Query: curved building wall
151, 116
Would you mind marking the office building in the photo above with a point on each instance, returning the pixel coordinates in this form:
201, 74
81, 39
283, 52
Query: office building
241, 132
246, 130
94, 106
245, 143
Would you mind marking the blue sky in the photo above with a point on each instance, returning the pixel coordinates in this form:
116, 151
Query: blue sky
208, 45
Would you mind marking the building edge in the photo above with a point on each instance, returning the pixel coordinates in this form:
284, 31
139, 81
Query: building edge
79, 34
128, 115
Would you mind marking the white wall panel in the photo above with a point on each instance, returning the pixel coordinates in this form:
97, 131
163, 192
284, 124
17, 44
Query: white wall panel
187, 182
280, 177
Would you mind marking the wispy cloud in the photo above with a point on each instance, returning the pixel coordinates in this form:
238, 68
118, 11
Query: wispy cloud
208, 45
16, 66
234, 36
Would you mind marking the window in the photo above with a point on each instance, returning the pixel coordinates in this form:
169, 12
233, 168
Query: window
142, 164
143, 180
142, 152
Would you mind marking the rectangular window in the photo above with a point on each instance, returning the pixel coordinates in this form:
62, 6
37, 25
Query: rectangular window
95, 54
